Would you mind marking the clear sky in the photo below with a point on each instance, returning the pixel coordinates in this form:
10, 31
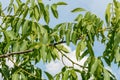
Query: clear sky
95, 6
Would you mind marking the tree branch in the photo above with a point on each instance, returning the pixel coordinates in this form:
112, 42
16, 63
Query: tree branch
13, 53
23, 69
27, 51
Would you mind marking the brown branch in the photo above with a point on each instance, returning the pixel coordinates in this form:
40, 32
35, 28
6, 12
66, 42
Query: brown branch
27, 51
13, 53
57, 43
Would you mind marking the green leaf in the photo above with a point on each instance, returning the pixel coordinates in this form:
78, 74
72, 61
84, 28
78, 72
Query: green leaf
18, 25
16, 47
62, 30
19, 2
90, 50
73, 73
74, 37
80, 47
55, 53
25, 13
23, 45
106, 75
61, 3
54, 10
68, 33
117, 40
63, 48
25, 27
78, 50
108, 14
19, 10
78, 10
43, 53
46, 14
50, 77
45, 38
5, 71
15, 76
11, 35
15, 8
79, 18
57, 77
66, 74
37, 13
41, 6
117, 54
94, 66
9, 9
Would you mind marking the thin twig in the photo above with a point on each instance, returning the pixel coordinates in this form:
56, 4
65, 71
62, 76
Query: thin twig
22, 68
69, 58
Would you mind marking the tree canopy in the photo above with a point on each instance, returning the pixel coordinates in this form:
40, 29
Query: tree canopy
25, 41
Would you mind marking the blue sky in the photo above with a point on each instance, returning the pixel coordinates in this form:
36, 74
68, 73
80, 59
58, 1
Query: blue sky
95, 6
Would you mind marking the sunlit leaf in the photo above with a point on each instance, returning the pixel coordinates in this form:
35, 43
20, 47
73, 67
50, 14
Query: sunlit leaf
68, 37
74, 38
78, 10
94, 66
108, 13
63, 48
73, 73
91, 52
61, 3
15, 76
54, 10
37, 13
80, 47
23, 45
25, 12
15, 8
106, 75
25, 27
46, 14
43, 53
19, 2
66, 74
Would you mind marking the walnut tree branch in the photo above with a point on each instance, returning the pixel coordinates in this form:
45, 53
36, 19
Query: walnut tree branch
13, 53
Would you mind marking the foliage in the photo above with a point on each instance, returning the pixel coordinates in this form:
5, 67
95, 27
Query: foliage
25, 42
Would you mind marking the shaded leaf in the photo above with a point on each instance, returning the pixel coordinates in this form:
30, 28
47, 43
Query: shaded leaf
50, 77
